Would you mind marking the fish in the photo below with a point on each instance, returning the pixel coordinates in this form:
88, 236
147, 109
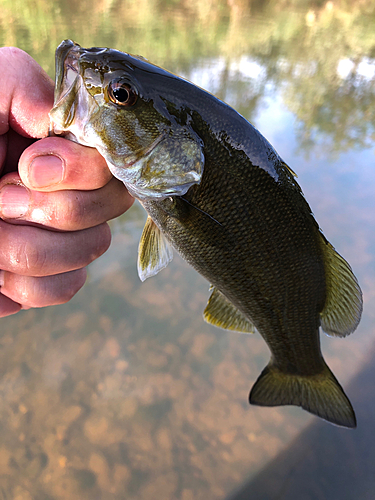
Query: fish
218, 193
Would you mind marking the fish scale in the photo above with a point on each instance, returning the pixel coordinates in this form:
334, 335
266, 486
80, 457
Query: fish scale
266, 251
217, 192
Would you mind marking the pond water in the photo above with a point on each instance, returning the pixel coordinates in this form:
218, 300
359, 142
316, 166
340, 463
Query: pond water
125, 392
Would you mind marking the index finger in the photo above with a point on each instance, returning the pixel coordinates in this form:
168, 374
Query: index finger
26, 94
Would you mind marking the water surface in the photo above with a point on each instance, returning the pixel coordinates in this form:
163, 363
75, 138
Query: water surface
125, 392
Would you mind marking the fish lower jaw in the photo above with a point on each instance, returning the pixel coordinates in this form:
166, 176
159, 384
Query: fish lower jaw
56, 132
157, 188
73, 132
152, 193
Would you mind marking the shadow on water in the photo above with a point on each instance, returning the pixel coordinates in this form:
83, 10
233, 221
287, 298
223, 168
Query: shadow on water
325, 461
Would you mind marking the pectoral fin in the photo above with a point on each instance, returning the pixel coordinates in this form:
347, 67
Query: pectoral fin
154, 251
222, 313
343, 307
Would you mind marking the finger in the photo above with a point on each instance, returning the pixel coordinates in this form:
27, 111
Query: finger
8, 306
43, 291
62, 210
33, 251
10, 154
54, 163
26, 94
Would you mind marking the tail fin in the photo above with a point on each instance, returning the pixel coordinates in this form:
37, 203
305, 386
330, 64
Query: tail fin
319, 394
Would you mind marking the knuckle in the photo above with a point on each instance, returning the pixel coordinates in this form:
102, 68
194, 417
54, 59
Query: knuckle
92, 243
17, 288
71, 215
25, 293
14, 52
80, 276
29, 259
76, 211
47, 290
101, 240
70, 284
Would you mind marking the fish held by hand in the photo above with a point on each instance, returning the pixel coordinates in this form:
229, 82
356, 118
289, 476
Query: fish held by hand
217, 192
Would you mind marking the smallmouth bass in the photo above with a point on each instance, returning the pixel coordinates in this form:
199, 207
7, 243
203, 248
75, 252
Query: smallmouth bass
216, 191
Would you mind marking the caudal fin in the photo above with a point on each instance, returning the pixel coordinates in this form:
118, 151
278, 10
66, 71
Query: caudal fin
319, 394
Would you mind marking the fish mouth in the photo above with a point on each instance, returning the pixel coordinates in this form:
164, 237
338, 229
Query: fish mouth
67, 71
73, 105
67, 47
67, 83
69, 56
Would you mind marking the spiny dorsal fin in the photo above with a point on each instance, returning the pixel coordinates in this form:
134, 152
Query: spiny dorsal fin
222, 313
154, 251
343, 307
290, 170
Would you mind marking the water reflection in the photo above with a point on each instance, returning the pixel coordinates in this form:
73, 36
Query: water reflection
126, 392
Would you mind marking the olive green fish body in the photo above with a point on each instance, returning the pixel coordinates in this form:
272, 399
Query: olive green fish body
242, 250
217, 192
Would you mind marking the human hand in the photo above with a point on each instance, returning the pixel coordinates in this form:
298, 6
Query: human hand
55, 195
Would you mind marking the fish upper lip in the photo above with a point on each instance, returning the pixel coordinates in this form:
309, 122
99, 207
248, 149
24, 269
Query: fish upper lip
64, 50
69, 82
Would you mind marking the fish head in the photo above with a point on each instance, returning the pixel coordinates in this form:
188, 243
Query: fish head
117, 103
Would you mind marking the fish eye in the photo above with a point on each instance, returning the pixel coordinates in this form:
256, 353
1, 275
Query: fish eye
122, 94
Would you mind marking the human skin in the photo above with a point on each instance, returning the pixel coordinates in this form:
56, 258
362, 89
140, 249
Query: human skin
55, 196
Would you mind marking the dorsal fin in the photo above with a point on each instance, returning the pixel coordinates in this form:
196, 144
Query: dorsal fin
222, 313
343, 307
289, 169
154, 251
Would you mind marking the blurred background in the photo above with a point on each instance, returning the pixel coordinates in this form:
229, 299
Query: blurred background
125, 392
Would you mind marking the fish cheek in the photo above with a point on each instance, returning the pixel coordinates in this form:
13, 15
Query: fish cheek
131, 130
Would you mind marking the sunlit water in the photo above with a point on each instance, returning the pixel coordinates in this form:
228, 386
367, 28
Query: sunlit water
125, 392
